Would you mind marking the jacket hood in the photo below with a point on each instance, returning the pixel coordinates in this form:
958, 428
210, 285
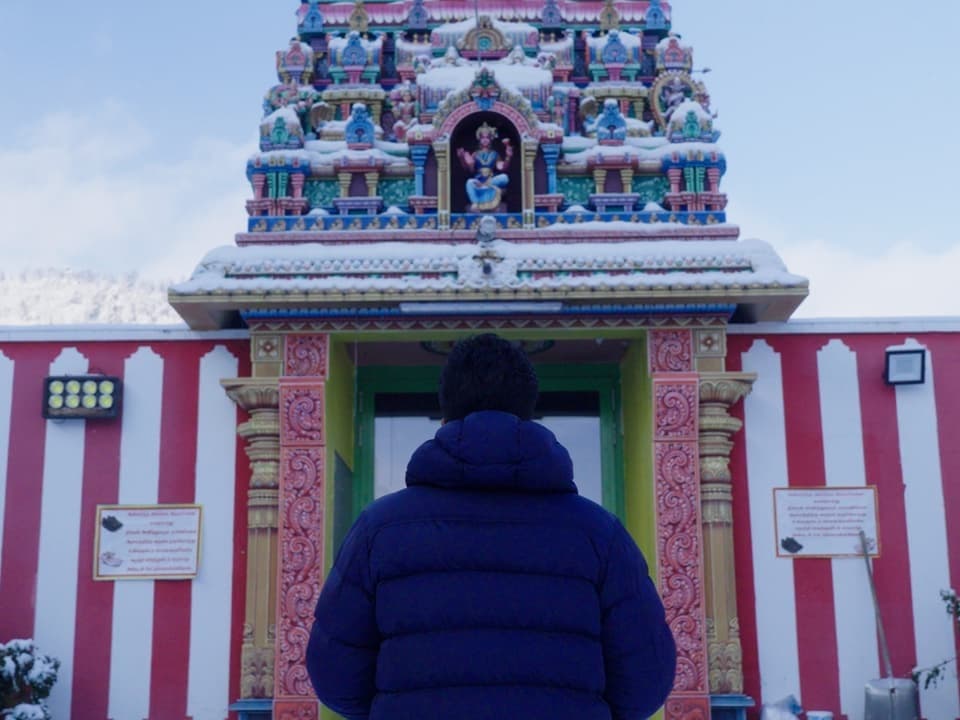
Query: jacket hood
495, 451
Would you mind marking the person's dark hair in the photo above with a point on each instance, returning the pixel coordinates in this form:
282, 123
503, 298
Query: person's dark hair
486, 372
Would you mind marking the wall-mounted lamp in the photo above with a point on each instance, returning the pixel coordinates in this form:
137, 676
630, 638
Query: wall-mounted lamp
81, 396
905, 365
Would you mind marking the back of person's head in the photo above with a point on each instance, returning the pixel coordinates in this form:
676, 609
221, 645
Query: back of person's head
486, 372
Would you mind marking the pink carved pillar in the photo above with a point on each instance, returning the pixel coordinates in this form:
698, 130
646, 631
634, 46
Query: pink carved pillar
676, 456
713, 179
675, 176
296, 185
259, 181
301, 520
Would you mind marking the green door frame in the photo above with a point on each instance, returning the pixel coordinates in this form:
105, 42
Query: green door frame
604, 379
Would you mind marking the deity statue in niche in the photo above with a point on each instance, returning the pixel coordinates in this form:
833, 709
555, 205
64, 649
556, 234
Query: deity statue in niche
489, 170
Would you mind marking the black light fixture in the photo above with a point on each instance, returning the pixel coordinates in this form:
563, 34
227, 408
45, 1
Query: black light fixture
81, 396
905, 365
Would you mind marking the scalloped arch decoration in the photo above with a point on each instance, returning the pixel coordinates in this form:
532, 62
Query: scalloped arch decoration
516, 117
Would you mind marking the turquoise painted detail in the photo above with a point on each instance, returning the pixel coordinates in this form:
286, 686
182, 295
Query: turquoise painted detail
576, 190
694, 178
321, 193
650, 189
396, 191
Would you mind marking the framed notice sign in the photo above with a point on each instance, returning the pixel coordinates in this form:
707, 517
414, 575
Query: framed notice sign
147, 542
825, 521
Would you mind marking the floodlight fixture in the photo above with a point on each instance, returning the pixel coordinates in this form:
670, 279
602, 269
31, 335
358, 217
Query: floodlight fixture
905, 365
81, 396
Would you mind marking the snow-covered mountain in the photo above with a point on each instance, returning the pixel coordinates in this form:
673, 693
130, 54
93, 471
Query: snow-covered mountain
68, 297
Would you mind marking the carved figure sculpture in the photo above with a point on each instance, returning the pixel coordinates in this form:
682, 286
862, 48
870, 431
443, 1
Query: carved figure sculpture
485, 188
404, 103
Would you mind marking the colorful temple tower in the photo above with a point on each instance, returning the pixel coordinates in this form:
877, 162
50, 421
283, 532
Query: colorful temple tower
545, 170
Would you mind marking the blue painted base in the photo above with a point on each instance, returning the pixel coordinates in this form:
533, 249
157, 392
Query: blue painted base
254, 709
730, 707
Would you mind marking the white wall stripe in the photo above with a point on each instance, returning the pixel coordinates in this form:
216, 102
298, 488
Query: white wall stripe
210, 601
926, 537
132, 630
766, 446
6, 408
56, 605
857, 651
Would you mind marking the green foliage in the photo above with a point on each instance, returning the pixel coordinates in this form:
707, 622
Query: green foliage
932, 674
26, 678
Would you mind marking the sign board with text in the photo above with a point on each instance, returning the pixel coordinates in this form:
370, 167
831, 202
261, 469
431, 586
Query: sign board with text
825, 521
147, 542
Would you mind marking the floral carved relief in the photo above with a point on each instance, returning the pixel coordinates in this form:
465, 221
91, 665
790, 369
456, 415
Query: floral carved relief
679, 538
301, 414
676, 410
296, 710
301, 554
671, 351
687, 708
680, 550
306, 355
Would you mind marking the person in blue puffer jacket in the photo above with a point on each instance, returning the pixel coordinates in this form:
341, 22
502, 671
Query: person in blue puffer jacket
488, 589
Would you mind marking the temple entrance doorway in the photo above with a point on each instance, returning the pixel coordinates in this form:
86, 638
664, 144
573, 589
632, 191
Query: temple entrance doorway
397, 410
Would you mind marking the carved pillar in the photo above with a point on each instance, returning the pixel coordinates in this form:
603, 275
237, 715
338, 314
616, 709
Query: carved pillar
530, 147
719, 391
372, 179
300, 523
419, 154
344, 179
441, 150
599, 179
260, 398
679, 541
551, 153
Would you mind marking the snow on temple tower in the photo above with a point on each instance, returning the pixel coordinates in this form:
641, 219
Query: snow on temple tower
547, 170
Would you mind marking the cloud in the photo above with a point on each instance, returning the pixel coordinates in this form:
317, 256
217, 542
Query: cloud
900, 281
95, 191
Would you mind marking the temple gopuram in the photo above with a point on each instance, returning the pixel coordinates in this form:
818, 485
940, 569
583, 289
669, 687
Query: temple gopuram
549, 170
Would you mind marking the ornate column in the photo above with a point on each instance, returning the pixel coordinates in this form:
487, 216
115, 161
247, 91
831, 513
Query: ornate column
551, 154
530, 147
441, 149
419, 154
260, 398
679, 559
719, 391
300, 523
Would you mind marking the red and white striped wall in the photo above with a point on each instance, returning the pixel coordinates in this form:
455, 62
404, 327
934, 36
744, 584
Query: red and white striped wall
821, 414
128, 649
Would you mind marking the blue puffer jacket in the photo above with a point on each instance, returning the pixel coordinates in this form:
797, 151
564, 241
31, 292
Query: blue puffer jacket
488, 589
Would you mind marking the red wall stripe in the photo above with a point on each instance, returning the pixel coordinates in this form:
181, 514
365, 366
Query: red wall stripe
169, 665
881, 451
742, 549
238, 600
945, 356
813, 577
101, 474
21, 523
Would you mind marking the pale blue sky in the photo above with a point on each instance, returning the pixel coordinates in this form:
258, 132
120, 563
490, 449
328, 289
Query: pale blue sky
126, 127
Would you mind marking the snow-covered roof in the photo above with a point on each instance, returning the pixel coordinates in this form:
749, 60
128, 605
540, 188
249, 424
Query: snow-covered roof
510, 75
641, 271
